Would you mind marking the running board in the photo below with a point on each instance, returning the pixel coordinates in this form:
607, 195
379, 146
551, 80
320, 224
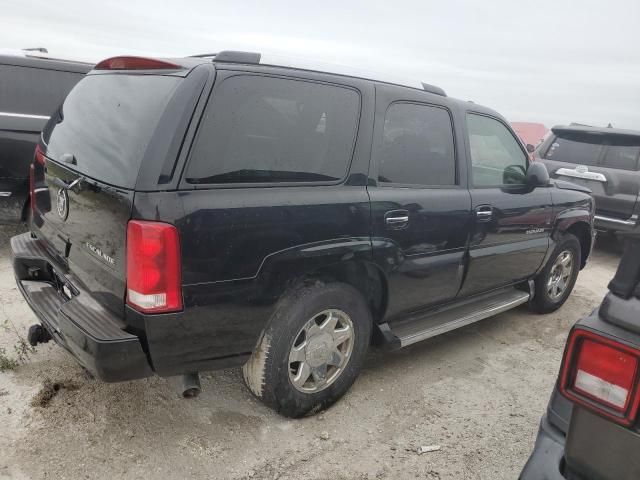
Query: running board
420, 328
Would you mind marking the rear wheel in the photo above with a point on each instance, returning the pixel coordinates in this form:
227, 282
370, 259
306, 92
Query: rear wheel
556, 281
312, 349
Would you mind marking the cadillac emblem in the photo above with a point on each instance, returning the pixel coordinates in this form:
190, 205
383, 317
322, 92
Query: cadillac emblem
62, 199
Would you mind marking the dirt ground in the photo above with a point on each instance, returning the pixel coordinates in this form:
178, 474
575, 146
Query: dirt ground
477, 392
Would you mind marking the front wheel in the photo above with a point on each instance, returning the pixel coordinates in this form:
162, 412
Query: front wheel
311, 350
554, 283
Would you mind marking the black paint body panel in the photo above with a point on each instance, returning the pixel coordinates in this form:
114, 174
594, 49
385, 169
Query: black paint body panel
243, 246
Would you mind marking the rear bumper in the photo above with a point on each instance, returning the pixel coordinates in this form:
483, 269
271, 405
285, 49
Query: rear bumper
546, 461
93, 335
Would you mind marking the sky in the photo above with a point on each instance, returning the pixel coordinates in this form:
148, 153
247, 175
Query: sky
543, 61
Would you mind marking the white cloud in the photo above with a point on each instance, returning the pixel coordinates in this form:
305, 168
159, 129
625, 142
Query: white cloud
550, 61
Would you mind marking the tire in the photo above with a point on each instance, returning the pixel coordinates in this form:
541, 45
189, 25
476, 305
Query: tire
270, 373
552, 286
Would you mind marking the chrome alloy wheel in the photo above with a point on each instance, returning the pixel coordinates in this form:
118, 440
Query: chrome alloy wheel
560, 275
321, 351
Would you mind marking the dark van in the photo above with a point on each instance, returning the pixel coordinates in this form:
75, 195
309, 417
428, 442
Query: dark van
31, 87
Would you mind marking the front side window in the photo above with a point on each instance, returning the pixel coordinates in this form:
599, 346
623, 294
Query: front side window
496, 156
417, 146
264, 129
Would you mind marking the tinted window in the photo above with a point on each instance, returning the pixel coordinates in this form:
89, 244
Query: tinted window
575, 148
417, 146
262, 129
496, 156
107, 122
33, 91
624, 157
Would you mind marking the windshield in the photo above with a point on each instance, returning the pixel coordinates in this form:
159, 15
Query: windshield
106, 123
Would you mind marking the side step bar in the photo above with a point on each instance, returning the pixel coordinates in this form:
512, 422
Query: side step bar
441, 321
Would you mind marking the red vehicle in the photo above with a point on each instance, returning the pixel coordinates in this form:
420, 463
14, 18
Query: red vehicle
529, 132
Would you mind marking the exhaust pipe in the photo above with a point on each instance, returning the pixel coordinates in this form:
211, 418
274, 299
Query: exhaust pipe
191, 385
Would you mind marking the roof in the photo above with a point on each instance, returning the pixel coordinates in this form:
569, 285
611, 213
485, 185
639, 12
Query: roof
559, 129
44, 62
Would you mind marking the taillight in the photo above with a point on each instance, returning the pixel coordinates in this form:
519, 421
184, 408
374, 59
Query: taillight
39, 157
135, 63
602, 375
153, 267
39, 160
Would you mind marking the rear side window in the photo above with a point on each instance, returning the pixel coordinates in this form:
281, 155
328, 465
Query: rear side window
106, 123
496, 156
263, 129
417, 146
33, 91
578, 148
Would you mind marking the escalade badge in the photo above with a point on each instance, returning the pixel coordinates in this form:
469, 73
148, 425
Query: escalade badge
96, 251
62, 199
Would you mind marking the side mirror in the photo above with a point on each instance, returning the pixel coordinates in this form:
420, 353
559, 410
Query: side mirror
537, 175
530, 148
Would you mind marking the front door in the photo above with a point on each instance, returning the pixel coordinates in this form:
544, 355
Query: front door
420, 209
512, 222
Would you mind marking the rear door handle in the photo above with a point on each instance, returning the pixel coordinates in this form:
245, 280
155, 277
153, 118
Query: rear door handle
484, 213
396, 219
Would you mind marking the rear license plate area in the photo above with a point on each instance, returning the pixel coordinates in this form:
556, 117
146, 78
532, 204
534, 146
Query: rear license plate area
598, 448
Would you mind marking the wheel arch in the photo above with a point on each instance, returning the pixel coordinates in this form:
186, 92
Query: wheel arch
343, 260
579, 224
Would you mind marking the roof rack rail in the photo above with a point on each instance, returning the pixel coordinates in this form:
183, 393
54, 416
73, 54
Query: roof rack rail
232, 56
433, 89
203, 55
36, 49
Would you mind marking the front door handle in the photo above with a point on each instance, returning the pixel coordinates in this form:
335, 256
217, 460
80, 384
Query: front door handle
484, 213
396, 219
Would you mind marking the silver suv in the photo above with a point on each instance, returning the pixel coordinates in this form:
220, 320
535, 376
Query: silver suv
604, 160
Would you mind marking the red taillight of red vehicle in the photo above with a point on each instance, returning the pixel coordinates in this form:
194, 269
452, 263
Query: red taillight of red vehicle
153, 267
602, 375
39, 160
135, 63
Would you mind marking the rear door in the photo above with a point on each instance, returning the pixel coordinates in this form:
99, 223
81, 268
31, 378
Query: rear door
95, 145
420, 205
607, 164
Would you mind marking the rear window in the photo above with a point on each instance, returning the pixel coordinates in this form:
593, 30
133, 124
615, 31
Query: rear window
621, 156
106, 123
33, 91
417, 146
575, 148
263, 130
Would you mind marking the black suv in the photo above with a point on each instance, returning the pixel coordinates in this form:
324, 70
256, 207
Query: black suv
592, 427
606, 161
31, 87
202, 213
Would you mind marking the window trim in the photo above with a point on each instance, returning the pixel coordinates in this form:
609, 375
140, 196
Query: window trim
503, 186
456, 166
185, 185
